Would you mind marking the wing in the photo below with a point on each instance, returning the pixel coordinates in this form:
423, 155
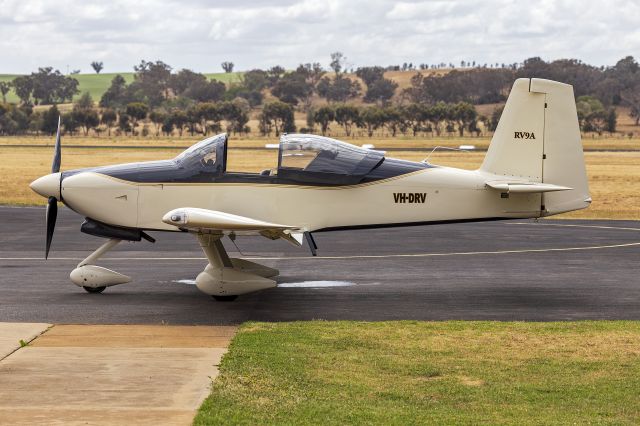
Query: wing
199, 220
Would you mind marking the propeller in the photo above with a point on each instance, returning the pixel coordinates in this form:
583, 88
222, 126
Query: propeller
52, 214
52, 202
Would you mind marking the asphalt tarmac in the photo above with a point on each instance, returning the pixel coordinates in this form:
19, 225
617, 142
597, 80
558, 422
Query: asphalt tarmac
510, 270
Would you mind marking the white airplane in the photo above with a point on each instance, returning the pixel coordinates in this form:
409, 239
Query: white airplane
534, 167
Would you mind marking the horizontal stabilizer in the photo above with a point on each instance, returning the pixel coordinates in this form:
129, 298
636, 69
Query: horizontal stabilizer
194, 218
526, 187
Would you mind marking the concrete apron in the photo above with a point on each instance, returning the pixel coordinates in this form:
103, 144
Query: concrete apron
107, 374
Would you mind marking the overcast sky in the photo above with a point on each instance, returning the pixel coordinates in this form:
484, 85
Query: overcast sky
200, 34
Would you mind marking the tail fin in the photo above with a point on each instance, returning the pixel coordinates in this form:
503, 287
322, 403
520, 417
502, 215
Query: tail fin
538, 140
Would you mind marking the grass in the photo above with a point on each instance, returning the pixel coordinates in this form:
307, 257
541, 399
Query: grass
97, 84
335, 373
614, 177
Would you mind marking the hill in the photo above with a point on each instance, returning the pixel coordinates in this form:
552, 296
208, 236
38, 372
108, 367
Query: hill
97, 84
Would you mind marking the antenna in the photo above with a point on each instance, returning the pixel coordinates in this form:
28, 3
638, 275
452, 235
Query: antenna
426, 160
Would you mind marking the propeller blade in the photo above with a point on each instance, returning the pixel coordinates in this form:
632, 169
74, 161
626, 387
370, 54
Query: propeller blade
52, 214
55, 166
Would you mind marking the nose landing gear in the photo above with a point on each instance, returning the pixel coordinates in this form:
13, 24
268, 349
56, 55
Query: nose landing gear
95, 279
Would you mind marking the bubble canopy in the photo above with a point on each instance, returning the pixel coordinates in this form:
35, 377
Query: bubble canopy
311, 158
302, 159
209, 155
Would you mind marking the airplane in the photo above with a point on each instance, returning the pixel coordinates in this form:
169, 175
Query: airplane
534, 167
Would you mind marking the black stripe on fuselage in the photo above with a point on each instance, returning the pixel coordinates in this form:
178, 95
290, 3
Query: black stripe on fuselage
169, 171
403, 224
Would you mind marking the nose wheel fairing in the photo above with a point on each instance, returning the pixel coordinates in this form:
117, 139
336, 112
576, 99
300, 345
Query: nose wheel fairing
96, 278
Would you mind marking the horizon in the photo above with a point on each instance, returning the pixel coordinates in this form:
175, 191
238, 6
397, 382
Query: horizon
326, 68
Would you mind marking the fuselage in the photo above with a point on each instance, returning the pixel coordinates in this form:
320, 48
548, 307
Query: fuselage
425, 195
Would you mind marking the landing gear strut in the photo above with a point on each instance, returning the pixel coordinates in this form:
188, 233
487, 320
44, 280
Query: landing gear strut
95, 279
225, 278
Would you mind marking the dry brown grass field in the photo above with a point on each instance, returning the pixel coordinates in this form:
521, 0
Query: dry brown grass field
614, 177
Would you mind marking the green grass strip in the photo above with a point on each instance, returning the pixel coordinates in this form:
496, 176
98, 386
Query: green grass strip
405, 372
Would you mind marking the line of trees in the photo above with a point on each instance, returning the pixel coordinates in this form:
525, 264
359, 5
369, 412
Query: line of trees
174, 101
414, 119
275, 117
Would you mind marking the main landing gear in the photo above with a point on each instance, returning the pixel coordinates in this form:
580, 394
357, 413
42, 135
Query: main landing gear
226, 278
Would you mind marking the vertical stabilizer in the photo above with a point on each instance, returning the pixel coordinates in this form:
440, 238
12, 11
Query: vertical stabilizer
538, 140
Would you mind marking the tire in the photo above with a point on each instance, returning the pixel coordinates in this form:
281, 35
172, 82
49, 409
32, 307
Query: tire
94, 289
225, 298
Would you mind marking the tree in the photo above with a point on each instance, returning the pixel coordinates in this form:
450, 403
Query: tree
5, 86
157, 118
116, 95
177, 119
23, 86
465, 114
591, 114
136, 111
46, 87
279, 115
236, 113
124, 123
85, 101
347, 116
274, 74
631, 97
255, 80
372, 118
184, 79
206, 91
340, 89
323, 116
227, 66
50, 120
370, 74
393, 119
69, 123
152, 82
97, 66
495, 118
84, 114
193, 119
49, 86
251, 85
196, 86
415, 116
337, 62
109, 118
439, 113
477, 86
612, 120
85, 118
15, 120
381, 91
312, 72
292, 88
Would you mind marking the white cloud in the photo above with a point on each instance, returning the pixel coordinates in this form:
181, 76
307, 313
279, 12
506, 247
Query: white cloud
200, 34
